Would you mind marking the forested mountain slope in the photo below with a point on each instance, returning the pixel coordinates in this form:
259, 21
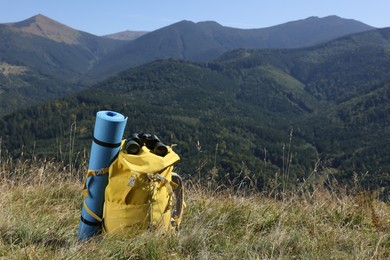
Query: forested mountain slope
254, 112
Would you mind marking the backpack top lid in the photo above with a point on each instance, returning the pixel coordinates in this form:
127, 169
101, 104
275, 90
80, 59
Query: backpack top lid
146, 161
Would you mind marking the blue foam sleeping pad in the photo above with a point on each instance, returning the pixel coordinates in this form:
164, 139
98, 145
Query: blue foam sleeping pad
108, 133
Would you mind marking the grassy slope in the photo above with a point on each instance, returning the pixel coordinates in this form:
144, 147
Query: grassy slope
41, 205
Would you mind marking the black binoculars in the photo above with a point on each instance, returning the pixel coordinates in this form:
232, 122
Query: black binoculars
134, 144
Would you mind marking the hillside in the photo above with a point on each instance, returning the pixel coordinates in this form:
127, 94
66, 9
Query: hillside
248, 113
183, 103
205, 41
350, 81
54, 59
41, 207
42, 59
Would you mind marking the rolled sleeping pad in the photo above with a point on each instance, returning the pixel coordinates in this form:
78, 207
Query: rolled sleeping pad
107, 136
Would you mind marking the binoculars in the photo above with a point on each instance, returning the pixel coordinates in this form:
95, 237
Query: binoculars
134, 144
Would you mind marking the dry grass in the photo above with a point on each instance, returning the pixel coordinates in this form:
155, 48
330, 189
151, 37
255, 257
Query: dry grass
41, 204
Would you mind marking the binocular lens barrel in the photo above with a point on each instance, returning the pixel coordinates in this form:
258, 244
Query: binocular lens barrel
160, 149
133, 144
132, 147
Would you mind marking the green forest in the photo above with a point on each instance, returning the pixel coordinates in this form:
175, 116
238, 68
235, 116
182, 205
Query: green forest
250, 114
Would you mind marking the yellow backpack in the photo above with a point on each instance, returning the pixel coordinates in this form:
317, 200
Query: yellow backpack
141, 190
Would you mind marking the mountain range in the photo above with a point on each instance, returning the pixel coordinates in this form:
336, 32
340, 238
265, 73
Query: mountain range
205, 41
292, 112
41, 59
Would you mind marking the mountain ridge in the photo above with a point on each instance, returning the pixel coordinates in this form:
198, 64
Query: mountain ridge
61, 60
205, 41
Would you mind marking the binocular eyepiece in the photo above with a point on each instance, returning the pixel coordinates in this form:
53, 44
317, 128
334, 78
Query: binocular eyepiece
134, 144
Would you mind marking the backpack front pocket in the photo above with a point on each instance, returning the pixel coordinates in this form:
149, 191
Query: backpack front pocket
120, 218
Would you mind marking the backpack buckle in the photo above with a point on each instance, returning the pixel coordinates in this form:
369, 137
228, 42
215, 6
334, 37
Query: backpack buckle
131, 181
159, 177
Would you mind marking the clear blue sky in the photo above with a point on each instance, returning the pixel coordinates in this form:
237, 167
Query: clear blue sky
102, 17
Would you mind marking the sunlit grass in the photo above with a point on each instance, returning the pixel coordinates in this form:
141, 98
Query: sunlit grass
41, 203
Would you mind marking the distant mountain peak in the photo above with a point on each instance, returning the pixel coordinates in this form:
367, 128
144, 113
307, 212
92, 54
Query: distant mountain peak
209, 23
126, 35
43, 26
188, 22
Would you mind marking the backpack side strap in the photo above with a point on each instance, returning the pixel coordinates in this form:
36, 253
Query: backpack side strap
89, 174
180, 204
90, 212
